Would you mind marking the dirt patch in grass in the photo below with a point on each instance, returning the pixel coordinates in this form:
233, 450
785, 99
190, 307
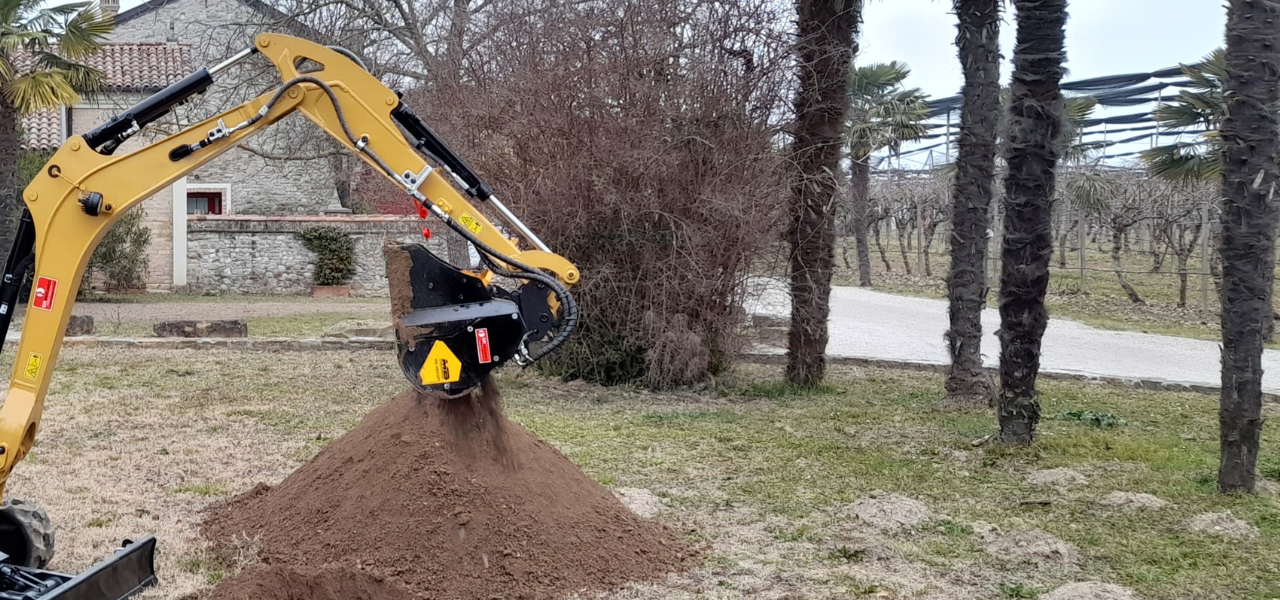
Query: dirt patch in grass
1090, 590
1035, 547
403, 496
1223, 524
1132, 501
890, 512
282, 583
643, 502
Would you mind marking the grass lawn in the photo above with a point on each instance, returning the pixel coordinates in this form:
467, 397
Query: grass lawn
139, 441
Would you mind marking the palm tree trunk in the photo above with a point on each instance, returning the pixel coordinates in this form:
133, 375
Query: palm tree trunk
10, 195
860, 178
826, 47
1035, 119
1249, 181
979, 44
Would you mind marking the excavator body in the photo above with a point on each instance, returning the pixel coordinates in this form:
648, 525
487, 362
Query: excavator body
454, 324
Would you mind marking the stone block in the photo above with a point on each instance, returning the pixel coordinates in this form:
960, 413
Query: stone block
80, 325
202, 329
360, 329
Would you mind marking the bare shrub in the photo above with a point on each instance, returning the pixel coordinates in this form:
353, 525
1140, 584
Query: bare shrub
640, 140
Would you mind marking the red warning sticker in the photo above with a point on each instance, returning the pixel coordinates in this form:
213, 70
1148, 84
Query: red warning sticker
482, 346
46, 289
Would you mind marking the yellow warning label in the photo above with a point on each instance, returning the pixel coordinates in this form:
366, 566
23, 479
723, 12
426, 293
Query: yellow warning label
442, 366
33, 365
471, 223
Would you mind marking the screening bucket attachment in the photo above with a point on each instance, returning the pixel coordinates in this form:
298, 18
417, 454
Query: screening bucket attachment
126, 573
454, 327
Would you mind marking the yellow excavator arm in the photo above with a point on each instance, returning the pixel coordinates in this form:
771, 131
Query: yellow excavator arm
85, 187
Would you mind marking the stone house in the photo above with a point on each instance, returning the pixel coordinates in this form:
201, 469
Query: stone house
227, 227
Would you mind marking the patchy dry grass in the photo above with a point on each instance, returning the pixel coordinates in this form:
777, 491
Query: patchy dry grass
141, 441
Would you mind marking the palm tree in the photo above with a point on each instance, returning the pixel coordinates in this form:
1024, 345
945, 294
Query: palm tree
40, 50
1199, 108
1035, 122
882, 114
825, 49
1250, 176
978, 41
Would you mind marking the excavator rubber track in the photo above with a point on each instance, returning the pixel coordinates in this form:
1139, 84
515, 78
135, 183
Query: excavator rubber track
126, 573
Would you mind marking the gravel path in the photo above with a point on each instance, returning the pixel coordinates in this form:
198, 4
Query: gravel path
105, 313
873, 325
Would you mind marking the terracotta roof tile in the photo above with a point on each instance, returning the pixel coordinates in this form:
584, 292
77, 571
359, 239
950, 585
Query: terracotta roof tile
142, 67
42, 131
137, 68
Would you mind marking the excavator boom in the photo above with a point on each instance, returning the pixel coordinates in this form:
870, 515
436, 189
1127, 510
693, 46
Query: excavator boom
454, 325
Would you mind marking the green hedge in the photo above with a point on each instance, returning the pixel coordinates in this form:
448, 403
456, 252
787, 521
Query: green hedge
335, 254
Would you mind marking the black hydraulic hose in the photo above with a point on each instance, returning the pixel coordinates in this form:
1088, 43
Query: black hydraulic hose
567, 302
20, 259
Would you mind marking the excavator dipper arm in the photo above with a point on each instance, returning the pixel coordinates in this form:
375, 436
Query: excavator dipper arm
85, 187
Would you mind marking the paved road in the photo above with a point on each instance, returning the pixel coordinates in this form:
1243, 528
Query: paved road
875, 325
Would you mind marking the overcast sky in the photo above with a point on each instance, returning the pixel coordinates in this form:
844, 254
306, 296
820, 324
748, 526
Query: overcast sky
1104, 37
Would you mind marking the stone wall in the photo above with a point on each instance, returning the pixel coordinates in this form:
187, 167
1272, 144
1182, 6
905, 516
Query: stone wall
262, 255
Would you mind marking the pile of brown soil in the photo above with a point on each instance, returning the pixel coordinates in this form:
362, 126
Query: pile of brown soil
448, 501
280, 583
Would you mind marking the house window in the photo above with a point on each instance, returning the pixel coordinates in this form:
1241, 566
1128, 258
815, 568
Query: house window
204, 203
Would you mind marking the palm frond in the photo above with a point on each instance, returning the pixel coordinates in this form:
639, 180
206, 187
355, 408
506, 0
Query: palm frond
12, 40
882, 113
50, 19
40, 90
83, 33
1089, 191
877, 79
81, 77
49, 42
1200, 106
1182, 116
1186, 161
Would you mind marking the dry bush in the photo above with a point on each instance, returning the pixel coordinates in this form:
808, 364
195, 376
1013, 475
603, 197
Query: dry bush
640, 140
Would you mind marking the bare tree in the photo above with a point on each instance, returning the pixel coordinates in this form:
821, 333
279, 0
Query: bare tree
1177, 207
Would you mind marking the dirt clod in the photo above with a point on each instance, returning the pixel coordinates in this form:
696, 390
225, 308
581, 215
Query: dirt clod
1090, 590
890, 512
1058, 477
1132, 501
282, 583
1037, 547
1223, 524
425, 493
